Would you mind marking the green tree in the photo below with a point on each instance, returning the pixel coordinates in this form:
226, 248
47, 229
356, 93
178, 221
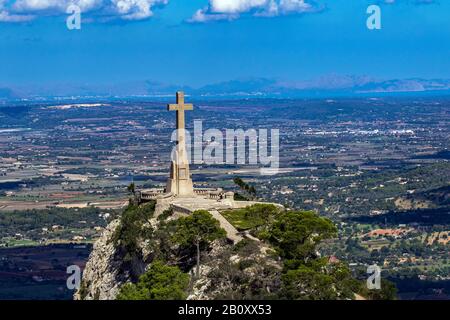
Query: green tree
296, 234
238, 181
305, 283
198, 230
240, 197
133, 227
132, 188
318, 280
251, 191
159, 282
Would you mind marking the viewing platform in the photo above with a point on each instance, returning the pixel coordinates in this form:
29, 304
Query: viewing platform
205, 193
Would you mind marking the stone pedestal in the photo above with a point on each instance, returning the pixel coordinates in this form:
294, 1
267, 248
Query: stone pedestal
180, 182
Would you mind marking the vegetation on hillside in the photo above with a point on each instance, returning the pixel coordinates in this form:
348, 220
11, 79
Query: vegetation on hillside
134, 226
199, 230
172, 241
159, 282
294, 236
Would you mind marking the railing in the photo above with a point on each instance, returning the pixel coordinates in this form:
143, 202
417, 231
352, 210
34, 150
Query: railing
210, 193
151, 193
206, 190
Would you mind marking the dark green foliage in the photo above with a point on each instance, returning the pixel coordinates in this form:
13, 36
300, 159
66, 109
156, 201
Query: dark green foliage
249, 189
239, 182
176, 240
240, 283
307, 284
133, 228
159, 282
166, 214
161, 244
200, 227
318, 280
134, 200
132, 188
296, 234
239, 197
198, 230
246, 247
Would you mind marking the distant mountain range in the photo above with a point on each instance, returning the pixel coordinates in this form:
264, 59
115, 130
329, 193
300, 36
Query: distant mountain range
332, 85
6, 93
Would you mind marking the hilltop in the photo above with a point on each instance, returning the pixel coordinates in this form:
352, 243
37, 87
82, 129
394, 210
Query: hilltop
144, 252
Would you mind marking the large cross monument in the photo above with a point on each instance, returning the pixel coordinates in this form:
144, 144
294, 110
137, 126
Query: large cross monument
180, 182
179, 193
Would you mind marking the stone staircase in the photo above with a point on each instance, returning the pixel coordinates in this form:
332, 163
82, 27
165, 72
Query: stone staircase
232, 232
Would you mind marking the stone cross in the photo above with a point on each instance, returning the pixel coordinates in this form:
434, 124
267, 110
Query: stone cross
180, 107
180, 182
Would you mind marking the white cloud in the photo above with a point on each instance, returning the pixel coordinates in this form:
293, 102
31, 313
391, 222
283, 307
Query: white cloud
232, 9
136, 9
294, 6
27, 6
236, 6
5, 16
20, 10
201, 15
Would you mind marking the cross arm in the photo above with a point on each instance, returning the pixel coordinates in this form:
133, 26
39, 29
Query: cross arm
177, 107
173, 107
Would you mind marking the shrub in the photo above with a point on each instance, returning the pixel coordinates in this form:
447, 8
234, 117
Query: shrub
159, 282
132, 229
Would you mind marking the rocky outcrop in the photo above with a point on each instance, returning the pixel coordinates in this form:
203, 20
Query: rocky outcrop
102, 275
228, 269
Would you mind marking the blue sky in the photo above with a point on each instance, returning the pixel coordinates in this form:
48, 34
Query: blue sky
229, 39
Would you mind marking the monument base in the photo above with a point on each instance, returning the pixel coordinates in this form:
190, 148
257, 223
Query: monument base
180, 182
181, 188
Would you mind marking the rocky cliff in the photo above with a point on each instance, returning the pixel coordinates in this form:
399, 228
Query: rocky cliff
102, 275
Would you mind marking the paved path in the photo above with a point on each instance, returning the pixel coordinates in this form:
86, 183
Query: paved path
232, 232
